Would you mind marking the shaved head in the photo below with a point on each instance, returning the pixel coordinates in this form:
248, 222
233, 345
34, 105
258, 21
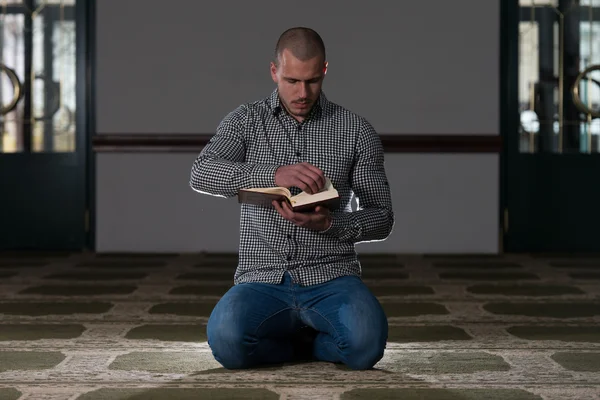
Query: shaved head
298, 69
304, 44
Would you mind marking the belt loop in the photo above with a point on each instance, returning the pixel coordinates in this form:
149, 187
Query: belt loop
290, 277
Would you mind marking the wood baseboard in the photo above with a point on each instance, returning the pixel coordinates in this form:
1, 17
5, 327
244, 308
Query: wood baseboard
392, 143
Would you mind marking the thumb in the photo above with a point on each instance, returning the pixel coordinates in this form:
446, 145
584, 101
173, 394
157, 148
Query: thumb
321, 210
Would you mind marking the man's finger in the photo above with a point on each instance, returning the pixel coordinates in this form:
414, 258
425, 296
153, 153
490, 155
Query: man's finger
280, 207
284, 210
322, 210
302, 218
302, 182
277, 207
317, 174
312, 181
288, 213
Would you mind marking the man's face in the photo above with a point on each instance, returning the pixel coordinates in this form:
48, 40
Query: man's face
299, 82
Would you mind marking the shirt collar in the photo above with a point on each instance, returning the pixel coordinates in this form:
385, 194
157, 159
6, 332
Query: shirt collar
277, 107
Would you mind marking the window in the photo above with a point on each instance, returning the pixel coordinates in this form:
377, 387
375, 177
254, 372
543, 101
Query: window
37, 81
557, 42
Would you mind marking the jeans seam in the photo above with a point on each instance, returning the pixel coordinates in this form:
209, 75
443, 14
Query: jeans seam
269, 317
261, 324
333, 348
326, 320
293, 292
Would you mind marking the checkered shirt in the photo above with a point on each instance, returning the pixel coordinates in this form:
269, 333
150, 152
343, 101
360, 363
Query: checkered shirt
252, 141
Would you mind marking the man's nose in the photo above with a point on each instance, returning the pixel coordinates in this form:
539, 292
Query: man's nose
303, 89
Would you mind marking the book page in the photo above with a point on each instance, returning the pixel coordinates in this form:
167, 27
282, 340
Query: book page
281, 191
327, 192
305, 198
328, 185
326, 188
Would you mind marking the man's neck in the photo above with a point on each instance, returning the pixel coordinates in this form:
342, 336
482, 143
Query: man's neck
299, 118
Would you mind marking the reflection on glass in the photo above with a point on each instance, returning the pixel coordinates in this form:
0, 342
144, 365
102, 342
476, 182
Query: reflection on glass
11, 45
52, 81
53, 90
557, 40
58, 2
539, 2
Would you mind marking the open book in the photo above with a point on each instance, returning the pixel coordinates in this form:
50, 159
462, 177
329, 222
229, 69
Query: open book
327, 197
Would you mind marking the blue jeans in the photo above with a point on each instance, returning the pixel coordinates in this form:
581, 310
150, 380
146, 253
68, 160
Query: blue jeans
339, 321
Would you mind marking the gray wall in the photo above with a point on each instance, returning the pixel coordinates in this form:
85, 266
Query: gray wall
426, 67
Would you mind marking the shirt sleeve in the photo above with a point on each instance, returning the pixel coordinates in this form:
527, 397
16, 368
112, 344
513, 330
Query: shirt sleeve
374, 218
220, 168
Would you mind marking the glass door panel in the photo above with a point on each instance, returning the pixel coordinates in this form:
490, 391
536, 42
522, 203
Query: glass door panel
559, 41
38, 81
43, 146
551, 122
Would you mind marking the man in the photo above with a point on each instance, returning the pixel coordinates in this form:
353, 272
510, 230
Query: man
297, 290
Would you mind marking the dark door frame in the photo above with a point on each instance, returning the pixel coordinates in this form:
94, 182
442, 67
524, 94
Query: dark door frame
86, 92
509, 99
81, 162
546, 204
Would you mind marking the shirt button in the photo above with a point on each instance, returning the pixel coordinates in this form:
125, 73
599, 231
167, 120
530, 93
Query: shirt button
298, 154
289, 236
289, 258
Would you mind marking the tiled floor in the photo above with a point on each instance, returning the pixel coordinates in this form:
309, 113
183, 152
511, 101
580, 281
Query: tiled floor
88, 326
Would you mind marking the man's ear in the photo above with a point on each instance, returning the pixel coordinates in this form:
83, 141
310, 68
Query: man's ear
325, 68
273, 72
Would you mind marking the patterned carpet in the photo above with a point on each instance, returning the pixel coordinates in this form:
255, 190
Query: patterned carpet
109, 326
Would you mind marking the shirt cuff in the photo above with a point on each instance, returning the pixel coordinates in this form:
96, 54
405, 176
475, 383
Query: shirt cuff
263, 176
340, 221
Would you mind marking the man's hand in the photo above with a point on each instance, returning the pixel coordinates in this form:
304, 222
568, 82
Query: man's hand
318, 220
305, 176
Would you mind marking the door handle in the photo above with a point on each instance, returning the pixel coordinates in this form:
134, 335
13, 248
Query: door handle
17, 89
584, 108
